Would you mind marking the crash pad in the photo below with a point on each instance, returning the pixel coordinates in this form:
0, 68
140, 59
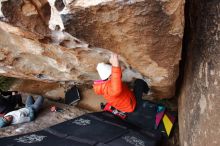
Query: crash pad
41, 138
90, 128
159, 115
167, 124
94, 129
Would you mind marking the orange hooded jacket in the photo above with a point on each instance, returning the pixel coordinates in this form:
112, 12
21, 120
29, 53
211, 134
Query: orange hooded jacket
115, 92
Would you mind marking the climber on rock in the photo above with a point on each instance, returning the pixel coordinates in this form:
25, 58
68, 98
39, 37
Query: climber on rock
117, 93
23, 115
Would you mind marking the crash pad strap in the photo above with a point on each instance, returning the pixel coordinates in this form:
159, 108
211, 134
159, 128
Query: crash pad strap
82, 140
102, 144
107, 122
56, 133
117, 136
62, 135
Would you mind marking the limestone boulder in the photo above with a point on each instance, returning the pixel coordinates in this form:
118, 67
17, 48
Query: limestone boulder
199, 102
22, 57
146, 34
31, 15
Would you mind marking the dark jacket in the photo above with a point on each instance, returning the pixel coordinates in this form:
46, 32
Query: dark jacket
8, 102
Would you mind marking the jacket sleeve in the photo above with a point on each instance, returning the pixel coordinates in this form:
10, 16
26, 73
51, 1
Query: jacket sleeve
116, 82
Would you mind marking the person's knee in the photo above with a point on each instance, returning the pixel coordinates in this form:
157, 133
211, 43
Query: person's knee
29, 101
30, 97
138, 81
41, 98
141, 83
39, 101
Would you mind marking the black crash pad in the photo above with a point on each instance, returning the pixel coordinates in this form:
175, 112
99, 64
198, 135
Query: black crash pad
40, 138
133, 139
153, 134
91, 128
144, 117
95, 129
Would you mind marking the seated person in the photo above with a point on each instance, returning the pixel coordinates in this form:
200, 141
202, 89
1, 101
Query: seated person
23, 115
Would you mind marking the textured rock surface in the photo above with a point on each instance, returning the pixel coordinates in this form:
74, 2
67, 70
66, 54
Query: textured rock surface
32, 15
90, 101
147, 35
52, 91
199, 102
28, 59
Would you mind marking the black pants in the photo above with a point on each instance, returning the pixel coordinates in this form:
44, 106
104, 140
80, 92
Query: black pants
145, 111
140, 87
